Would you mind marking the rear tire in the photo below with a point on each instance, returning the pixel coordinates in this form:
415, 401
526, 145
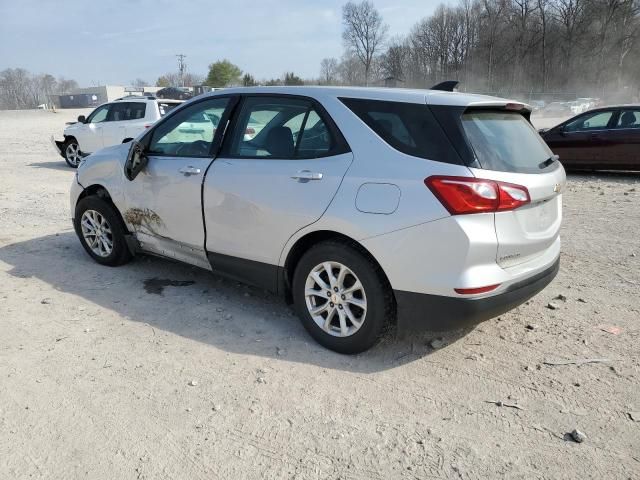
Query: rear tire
71, 152
101, 231
342, 297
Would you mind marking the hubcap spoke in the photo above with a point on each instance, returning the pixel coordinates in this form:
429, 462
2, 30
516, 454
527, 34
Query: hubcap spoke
357, 302
343, 323
318, 279
353, 288
352, 318
329, 269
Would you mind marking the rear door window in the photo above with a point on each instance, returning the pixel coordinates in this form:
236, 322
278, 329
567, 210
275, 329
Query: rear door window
629, 119
505, 141
123, 111
410, 128
280, 127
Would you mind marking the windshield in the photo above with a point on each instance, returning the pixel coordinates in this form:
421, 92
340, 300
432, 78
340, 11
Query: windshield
505, 141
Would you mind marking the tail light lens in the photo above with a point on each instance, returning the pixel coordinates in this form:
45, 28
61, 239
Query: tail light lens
464, 195
474, 291
250, 131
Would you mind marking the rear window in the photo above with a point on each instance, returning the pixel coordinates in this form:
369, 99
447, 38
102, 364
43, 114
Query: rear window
505, 141
410, 128
166, 107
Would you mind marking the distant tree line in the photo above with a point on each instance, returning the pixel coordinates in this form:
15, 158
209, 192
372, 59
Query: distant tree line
20, 89
497, 46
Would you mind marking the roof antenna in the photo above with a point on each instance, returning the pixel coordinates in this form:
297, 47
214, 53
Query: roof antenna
446, 86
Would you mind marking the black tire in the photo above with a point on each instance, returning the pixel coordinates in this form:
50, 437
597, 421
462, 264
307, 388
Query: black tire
380, 301
72, 161
120, 253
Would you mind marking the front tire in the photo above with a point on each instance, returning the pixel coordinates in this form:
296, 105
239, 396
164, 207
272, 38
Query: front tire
342, 297
71, 151
101, 231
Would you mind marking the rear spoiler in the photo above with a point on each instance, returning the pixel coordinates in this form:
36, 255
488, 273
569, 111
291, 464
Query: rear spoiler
446, 86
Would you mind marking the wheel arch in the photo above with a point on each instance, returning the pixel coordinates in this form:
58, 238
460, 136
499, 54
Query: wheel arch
101, 192
307, 241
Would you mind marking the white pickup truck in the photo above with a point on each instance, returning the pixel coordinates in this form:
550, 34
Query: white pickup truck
109, 124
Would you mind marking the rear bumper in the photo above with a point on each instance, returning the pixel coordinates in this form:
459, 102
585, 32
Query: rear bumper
419, 311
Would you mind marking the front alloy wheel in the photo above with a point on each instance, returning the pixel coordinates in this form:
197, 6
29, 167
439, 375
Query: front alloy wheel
97, 233
72, 154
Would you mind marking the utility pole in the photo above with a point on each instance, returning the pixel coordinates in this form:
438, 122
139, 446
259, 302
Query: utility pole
182, 67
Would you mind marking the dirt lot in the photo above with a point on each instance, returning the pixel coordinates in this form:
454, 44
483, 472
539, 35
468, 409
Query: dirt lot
97, 364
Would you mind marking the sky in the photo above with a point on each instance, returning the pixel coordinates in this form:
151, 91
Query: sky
116, 41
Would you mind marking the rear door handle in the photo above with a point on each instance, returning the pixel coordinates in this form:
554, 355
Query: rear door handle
186, 171
306, 175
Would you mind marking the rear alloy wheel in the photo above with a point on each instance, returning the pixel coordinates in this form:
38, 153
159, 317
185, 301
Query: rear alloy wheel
342, 297
72, 153
335, 299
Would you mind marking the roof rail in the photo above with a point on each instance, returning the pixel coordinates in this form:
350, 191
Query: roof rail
137, 97
446, 86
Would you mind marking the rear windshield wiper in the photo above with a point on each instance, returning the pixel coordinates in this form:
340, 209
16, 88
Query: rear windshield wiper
549, 161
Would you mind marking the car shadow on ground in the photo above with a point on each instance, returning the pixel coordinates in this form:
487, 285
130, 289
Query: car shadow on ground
199, 305
60, 165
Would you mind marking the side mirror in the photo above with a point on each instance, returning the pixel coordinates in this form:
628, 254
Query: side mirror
136, 161
82, 119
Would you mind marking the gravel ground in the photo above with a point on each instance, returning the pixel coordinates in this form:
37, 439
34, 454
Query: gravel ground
107, 375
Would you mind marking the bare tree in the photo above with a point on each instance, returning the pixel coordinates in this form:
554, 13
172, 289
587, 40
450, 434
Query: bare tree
328, 71
364, 32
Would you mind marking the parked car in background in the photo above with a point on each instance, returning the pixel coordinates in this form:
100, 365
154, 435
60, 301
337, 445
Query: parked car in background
601, 139
174, 93
363, 207
557, 109
537, 105
109, 124
577, 107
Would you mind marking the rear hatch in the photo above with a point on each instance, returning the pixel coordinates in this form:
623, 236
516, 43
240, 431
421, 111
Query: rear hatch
507, 148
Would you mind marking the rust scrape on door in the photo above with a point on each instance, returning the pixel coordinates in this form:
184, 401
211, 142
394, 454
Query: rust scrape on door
143, 219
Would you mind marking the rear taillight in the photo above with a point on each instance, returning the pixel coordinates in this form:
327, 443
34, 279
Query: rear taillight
464, 195
250, 131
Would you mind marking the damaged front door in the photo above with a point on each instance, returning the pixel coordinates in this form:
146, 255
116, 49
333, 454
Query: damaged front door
164, 201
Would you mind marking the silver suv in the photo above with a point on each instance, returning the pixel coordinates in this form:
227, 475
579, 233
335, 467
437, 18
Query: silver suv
363, 207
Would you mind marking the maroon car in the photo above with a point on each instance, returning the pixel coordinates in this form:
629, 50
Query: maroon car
606, 138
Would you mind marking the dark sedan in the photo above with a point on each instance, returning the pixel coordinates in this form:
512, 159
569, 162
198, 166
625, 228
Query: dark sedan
602, 139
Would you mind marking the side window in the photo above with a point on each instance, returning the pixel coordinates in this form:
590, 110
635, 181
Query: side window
190, 132
121, 111
117, 112
629, 119
99, 114
410, 128
594, 121
279, 127
137, 110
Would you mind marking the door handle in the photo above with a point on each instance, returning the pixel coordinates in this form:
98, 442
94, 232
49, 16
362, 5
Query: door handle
306, 175
186, 171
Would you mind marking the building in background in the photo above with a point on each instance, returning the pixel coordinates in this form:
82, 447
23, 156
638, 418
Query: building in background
93, 96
